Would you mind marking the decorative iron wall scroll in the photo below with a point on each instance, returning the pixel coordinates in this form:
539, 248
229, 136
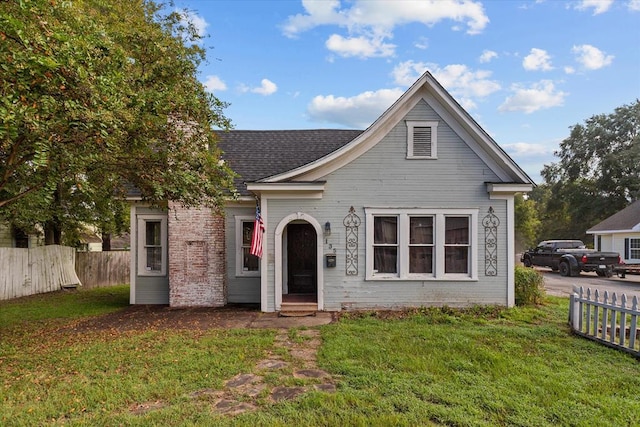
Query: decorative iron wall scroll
351, 223
490, 224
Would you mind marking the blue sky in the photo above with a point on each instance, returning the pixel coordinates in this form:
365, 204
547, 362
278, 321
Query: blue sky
525, 70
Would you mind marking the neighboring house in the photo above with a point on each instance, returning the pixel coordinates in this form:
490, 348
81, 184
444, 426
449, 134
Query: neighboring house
417, 210
11, 237
89, 240
620, 233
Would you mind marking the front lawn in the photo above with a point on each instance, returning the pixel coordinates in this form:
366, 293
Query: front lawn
431, 367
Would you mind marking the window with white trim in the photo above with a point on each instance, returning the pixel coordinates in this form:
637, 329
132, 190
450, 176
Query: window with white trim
421, 244
152, 245
422, 139
246, 264
634, 248
456, 244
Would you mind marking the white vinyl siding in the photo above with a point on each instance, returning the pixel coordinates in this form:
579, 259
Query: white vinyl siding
422, 139
421, 244
247, 265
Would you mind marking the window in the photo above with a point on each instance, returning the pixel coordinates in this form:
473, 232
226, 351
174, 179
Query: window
634, 248
385, 244
421, 244
21, 239
246, 264
422, 138
456, 244
152, 245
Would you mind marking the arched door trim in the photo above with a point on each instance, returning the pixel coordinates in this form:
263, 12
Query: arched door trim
279, 262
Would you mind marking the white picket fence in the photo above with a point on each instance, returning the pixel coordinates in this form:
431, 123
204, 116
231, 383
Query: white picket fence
606, 318
32, 271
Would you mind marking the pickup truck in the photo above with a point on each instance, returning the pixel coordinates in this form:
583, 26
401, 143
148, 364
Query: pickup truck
570, 257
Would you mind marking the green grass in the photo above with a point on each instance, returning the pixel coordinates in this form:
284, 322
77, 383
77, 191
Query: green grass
482, 367
66, 304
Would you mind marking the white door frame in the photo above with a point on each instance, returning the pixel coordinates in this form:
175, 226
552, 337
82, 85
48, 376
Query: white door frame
279, 261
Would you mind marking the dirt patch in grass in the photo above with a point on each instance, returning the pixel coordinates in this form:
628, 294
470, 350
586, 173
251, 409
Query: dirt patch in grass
142, 317
158, 317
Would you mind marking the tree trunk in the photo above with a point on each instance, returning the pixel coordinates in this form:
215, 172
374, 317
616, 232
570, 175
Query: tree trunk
52, 233
106, 242
53, 227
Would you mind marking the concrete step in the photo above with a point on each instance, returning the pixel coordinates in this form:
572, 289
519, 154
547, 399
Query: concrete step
297, 313
298, 309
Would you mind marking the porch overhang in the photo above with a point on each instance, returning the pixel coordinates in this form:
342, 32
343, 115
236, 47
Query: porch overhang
288, 190
504, 189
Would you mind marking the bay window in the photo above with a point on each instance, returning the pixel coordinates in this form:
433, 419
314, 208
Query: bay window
421, 244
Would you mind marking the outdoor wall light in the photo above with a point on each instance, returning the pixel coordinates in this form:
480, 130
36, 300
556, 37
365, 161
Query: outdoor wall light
327, 228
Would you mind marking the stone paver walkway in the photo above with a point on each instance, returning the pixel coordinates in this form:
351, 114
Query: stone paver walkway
249, 391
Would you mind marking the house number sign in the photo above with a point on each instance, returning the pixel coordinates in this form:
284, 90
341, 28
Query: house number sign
351, 223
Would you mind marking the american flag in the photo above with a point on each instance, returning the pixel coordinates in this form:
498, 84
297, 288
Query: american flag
256, 239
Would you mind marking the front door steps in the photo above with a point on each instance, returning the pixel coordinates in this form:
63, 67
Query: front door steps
298, 305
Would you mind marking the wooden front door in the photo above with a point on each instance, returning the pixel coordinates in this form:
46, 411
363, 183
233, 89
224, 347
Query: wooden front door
301, 259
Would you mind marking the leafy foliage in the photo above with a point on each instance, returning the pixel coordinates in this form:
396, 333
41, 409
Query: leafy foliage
529, 286
527, 222
95, 94
598, 174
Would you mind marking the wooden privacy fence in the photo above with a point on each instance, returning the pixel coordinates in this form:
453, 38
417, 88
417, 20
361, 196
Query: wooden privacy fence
32, 271
606, 318
100, 269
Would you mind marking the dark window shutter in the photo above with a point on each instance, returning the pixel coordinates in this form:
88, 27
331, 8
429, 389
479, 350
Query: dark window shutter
422, 141
626, 248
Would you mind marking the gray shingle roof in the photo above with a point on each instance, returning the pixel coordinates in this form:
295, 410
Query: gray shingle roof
625, 219
258, 154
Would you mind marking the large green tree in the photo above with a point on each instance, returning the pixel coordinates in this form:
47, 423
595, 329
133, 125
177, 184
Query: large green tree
96, 96
598, 174
527, 222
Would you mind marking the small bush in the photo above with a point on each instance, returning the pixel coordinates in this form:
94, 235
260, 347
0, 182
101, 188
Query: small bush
529, 286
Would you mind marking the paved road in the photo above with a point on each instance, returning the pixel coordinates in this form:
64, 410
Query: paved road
562, 286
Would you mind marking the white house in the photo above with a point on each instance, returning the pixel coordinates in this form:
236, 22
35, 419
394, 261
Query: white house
620, 233
416, 210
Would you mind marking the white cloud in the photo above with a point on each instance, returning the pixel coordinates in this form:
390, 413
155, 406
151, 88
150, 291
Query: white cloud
198, 22
423, 43
487, 56
463, 83
359, 46
267, 87
358, 111
376, 20
569, 70
539, 96
598, 6
526, 149
537, 60
406, 73
634, 5
591, 57
214, 84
